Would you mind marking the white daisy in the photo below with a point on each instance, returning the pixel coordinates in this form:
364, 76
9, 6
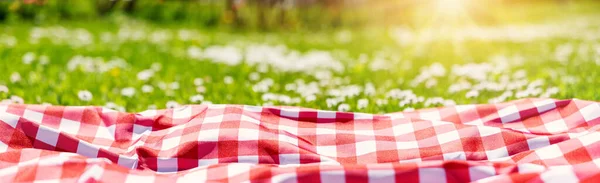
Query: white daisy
3, 89
343, 107
228, 80
172, 104
15, 77
17, 100
196, 98
147, 89
128, 92
84, 95
28, 58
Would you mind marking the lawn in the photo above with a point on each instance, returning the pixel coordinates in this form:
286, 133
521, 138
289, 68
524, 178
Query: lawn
133, 65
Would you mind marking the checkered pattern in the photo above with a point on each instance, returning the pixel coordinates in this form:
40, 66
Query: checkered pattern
537, 140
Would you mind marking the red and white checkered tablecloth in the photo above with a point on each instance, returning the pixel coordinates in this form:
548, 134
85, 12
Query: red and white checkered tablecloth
530, 140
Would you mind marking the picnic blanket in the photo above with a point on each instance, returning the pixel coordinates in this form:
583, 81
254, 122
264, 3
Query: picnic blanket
528, 140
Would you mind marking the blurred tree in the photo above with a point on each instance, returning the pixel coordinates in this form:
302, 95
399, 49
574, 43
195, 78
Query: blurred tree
232, 7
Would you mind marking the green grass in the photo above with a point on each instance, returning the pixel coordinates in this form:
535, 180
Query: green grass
576, 77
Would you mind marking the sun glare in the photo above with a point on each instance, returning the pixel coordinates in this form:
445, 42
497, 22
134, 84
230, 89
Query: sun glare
450, 7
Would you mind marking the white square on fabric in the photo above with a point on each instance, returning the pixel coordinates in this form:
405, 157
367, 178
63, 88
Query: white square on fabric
538, 142
366, 147
8, 118
140, 178
211, 135
448, 137
455, 156
106, 132
432, 175
129, 162
590, 112
182, 113
47, 135
204, 162
287, 159
402, 129
292, 113
166, 165
255, 109
330, 151
252, 159
559, 176
556, 126
485, 131
326, 114
430, 115
382, 175
288, 139
480, 172
497, 153
198, 175
589, 138
86, 149
286, 177
170, 142
509, 114
549, 152
333, 176
33, 116
363, 116
249, 119
544, 105
69, 126
247, 134
213, 119
407, 145
236, 169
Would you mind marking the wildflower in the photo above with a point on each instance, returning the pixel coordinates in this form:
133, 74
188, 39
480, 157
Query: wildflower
200, 89
409, 109
128, 92
262, 68
16, 99
194, 52
310, 98
156, 66
15, 77
111, 105
196, 98
362, 103
162, 85
472, 94
44, 60
343, 107
369, 89
3, 89
28, 58
175, 85
145, 75
84, 95
254, 76
381, 102
147, 88
172, 104
228, 80
198, 81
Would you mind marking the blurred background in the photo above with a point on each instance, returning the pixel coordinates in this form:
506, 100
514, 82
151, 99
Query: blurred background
296, 14
374, 56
